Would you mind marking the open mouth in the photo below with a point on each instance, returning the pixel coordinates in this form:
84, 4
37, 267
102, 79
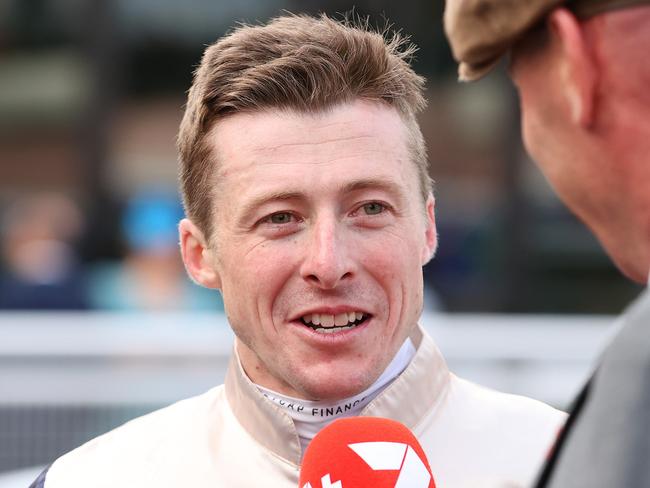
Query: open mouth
328, 323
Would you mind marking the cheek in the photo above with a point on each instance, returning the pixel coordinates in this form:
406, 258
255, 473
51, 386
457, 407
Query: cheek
529, 126
254, 277
539, 143
542, 118
545, 146
394, 261
531, 122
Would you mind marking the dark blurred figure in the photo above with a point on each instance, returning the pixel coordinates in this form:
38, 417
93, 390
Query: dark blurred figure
41, 266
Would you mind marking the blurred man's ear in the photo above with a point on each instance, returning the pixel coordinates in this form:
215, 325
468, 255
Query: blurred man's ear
431, 235
197, 256
578, 70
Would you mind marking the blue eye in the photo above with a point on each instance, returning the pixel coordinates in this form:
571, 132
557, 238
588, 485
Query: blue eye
373, 208
280, 218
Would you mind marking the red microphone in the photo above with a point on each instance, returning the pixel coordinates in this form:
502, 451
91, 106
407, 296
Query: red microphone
360, 452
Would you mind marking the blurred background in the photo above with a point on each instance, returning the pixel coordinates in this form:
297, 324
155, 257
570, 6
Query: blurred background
98, 322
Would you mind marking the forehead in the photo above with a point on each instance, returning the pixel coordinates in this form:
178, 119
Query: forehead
277, 148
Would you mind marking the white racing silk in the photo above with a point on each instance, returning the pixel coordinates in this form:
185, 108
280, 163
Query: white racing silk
234, 437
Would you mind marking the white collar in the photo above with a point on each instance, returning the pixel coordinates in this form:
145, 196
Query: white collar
310, 417
407, 399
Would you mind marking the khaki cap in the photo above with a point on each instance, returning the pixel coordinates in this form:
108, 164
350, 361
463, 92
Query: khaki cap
481, 31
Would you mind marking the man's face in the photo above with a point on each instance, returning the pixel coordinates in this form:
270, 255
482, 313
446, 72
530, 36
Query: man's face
319, 220
541, 112
572, 153
552, 134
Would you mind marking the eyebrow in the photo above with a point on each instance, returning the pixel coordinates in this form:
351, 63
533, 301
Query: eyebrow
250, 207
373, 184
356, 185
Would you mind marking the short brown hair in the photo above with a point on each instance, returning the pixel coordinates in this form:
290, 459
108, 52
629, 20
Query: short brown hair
294, 62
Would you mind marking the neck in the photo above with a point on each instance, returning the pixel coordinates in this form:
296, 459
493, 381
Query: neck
309, 417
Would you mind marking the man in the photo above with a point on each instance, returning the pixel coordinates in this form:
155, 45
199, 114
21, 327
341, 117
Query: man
582, 72
309, 207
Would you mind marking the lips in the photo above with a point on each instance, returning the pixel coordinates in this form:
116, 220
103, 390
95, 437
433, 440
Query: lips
328, 323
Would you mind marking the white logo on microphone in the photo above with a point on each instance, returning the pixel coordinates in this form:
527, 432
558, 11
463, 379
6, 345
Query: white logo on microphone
388, 456
326, 482
394, 456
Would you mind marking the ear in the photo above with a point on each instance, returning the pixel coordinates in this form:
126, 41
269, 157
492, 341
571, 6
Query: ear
431, 235
578, 71
197, 256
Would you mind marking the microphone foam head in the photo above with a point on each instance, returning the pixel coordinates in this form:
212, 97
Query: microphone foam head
361, 452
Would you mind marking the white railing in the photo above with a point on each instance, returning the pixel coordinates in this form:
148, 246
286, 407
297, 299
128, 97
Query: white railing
71, 376
61, 358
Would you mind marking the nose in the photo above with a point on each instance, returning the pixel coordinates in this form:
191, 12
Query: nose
327, 259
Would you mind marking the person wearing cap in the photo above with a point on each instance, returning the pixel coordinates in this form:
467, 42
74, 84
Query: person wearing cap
582, 72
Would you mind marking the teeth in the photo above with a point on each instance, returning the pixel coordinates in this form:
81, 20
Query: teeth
330, 321
327, 320
333, 329
341, 319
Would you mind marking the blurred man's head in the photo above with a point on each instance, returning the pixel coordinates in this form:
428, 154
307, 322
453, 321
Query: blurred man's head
309, 202
582, 74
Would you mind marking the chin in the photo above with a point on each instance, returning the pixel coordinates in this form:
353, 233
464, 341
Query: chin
633, 264
336, 389
632, 271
